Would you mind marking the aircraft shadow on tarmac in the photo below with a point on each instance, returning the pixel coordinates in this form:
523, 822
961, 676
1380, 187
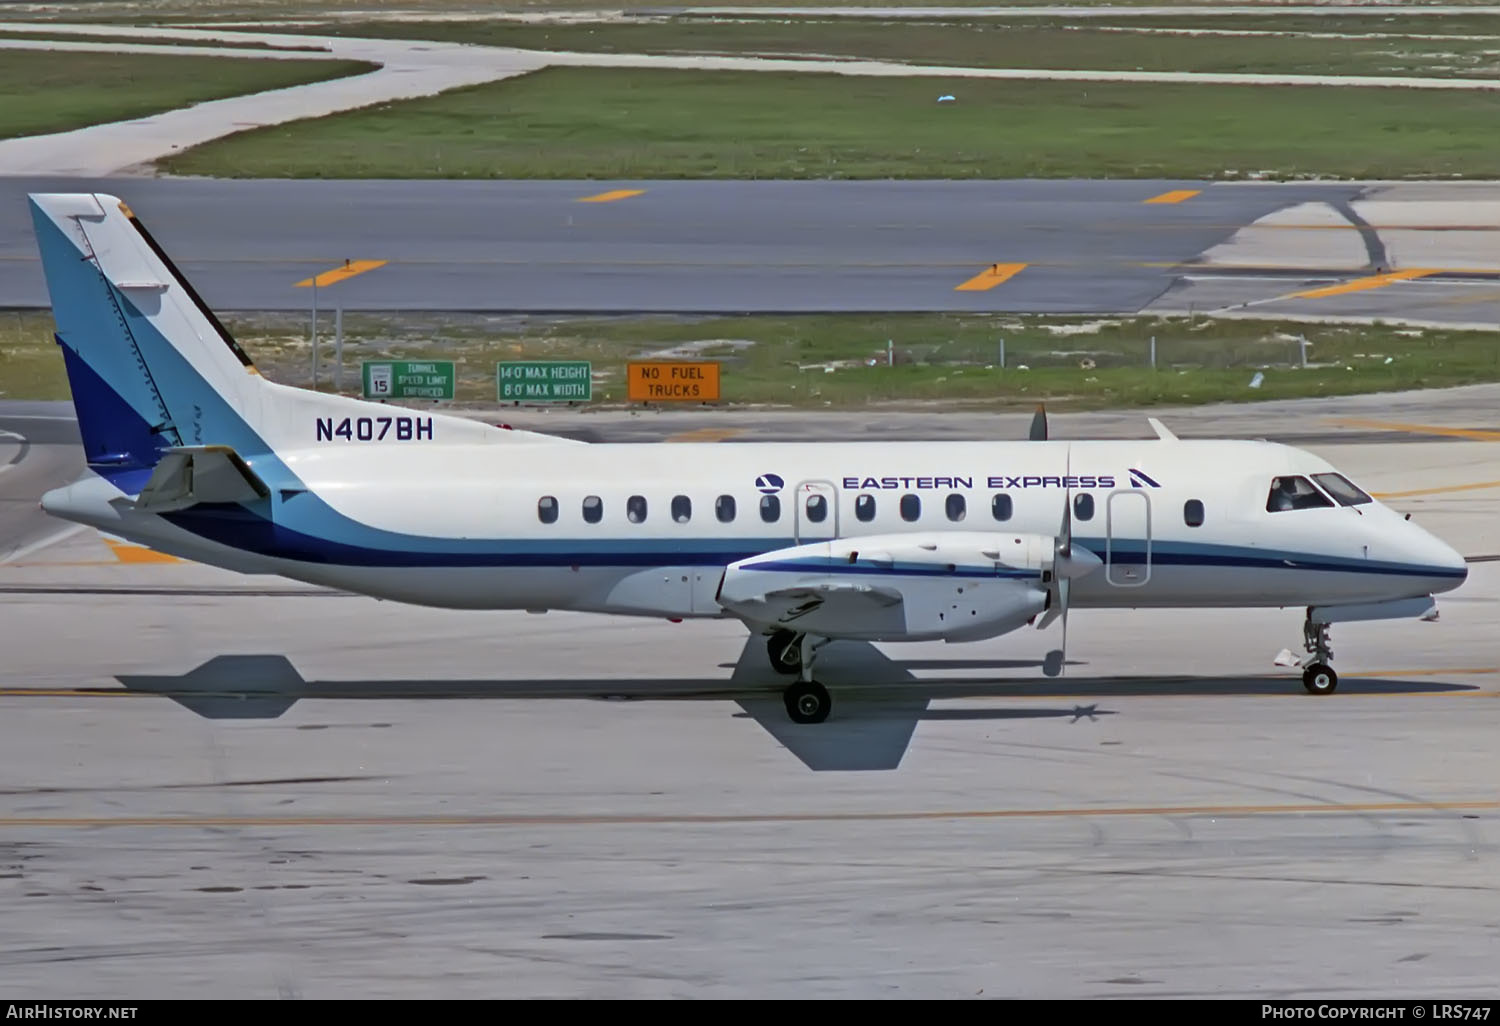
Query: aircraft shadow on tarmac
878, 701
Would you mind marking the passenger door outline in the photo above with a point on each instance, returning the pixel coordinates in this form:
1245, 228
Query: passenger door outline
1127, 522
807, 531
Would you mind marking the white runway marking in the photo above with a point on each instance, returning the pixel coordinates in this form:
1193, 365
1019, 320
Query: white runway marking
47, 542
17, 458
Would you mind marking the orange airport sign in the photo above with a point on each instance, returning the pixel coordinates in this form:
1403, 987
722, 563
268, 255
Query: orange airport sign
653, 382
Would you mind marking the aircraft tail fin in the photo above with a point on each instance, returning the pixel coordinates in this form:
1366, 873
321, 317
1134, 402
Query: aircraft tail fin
152, 368
142, 351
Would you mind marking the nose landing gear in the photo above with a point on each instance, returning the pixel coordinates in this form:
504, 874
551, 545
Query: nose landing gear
1317, 676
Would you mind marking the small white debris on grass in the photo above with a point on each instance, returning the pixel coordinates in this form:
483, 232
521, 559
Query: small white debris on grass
1085, 328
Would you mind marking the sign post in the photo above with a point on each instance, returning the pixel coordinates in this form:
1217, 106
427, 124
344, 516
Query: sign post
408, 379
544, 381
338, 274
689, 382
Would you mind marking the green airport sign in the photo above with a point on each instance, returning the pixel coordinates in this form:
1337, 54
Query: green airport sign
408, 379
544, 381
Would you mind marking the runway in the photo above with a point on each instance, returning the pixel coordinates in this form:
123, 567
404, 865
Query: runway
39, 450
809, 246
244, 787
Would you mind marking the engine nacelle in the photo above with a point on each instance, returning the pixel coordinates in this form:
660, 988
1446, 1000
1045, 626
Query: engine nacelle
951, 585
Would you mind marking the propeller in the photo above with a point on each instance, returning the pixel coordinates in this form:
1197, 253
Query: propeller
1039, 424
1066, 565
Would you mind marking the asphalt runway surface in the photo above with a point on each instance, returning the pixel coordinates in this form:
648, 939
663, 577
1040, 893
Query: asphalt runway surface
230, 786
39, 450
732, 247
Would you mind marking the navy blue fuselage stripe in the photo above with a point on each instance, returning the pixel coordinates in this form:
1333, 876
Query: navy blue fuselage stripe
242, 528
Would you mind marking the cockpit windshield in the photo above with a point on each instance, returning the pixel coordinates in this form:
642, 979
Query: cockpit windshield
1294, 493
1344, 491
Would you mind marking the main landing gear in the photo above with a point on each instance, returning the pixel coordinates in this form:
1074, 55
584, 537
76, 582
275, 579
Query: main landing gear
807, 701
1317, 676
785, 650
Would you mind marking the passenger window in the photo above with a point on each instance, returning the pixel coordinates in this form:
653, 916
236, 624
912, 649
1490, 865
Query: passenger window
1083, 506
817, 508
1294, 493
593, 509
770, 508
635, 509
546, 509
1344, 491
682, 509
864, 508
724, 508
911, 507
1001, 507
956, 507
1192, 513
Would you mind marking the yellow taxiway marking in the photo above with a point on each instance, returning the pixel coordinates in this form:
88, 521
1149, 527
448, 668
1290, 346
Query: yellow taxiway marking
611, 196
995, 274
707, 434
1437, 491
136, 554
628, 819
1375, 281
1175, 196
1478, 434
338, 274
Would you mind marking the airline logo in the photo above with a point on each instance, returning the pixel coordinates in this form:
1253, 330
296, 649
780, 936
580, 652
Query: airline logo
994, 481
770, 484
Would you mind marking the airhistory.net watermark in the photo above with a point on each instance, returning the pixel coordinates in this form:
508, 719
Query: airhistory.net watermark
67, 1010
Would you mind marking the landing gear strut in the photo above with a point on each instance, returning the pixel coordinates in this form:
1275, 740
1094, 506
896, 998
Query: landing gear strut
807, 701
1317, 676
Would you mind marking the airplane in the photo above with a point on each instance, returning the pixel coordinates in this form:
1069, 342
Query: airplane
192, 452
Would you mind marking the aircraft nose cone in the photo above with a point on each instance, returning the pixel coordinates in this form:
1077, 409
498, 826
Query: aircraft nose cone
1443, 561
1456, 566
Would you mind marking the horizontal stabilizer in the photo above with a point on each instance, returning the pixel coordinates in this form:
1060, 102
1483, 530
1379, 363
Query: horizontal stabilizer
189, 475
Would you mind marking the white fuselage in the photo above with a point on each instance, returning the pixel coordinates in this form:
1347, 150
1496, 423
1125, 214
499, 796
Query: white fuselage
471, 525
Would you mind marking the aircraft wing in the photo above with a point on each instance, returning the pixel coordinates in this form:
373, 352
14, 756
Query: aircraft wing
189, 475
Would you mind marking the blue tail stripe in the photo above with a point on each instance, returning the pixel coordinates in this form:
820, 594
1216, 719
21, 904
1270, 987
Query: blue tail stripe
116, 439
